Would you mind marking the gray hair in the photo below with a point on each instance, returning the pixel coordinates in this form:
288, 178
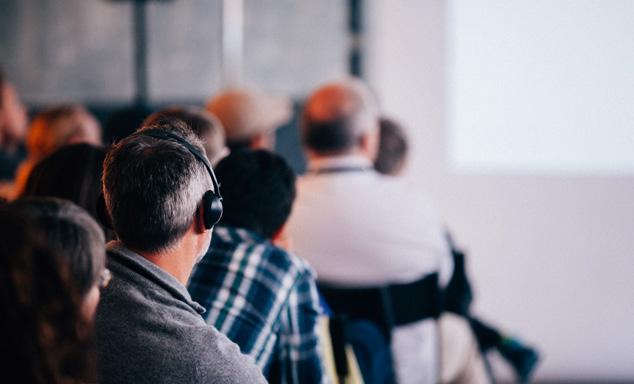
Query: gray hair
153, 187
337, 115
71, 232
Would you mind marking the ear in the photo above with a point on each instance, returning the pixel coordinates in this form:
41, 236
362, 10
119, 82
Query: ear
369, 144
199, 219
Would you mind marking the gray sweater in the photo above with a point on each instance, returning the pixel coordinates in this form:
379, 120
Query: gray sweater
150, 331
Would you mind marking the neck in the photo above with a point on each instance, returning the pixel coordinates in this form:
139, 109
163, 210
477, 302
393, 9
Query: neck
178, 260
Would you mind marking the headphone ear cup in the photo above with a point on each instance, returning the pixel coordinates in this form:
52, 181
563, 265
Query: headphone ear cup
212, 209
102, 212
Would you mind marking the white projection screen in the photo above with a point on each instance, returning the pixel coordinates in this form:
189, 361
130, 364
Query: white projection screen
541, 86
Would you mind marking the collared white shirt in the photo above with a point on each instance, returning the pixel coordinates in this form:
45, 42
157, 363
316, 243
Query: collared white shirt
359, 228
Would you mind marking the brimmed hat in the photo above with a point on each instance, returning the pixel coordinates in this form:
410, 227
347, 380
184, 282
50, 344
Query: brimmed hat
246, 113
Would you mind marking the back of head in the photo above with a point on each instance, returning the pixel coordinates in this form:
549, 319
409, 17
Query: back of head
258, 189
73, 173
392, 148
70, 232
206, 126
51, 130
124, 122
43, 338
58, 126
336, 117
248, 113
153, 187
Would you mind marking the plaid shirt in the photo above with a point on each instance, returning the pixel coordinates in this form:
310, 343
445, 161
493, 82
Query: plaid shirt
265, 300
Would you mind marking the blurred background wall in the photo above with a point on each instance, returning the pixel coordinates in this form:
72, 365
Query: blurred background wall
550, 253
82, 50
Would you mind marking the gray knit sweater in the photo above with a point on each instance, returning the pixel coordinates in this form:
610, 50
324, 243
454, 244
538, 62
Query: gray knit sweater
150, 331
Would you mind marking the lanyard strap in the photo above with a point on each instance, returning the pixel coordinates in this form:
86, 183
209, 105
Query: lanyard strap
342, 169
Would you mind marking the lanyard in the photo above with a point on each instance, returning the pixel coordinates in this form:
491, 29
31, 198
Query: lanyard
342, 169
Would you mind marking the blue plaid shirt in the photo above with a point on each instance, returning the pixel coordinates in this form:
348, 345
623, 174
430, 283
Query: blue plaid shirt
265, 300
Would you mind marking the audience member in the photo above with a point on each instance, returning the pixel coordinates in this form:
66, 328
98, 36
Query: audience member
205, 125
12, 130
393, 148
73, 234
162, 200
359, 229
250, 117
258, 294
52, 129
391, 158
73, 172
51, 268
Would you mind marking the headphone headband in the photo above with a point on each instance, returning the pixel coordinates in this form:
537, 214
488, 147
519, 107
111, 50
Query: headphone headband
164, 135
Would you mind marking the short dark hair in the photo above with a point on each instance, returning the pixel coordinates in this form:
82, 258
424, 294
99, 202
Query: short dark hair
329, 136
206, 126
392, 147
258, 189
70, 232
73, 173
45, 337
153, 187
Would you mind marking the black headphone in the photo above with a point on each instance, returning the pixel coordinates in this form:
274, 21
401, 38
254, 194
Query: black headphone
212, 200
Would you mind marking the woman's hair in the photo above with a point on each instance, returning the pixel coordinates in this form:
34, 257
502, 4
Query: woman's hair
45, 338
72, 173
72, 233
52, 129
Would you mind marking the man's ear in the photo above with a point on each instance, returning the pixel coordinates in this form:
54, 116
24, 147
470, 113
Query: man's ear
369, 144
199, 219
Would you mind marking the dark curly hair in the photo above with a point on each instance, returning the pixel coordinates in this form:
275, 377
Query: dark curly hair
45, 339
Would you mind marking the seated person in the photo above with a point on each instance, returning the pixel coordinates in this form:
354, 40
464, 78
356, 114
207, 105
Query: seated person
51, 268
390, 160
363, 231
393, 148
258, 294
72, 233
205, 125
162, 200
50, 130
250, 117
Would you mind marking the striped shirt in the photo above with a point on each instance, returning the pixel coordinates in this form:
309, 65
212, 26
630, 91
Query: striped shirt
265, 300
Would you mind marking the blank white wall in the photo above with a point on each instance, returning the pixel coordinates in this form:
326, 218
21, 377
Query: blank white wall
550, 256
541, 85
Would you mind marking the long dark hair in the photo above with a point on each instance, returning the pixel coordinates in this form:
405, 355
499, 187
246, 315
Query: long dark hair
72, 173
45, 339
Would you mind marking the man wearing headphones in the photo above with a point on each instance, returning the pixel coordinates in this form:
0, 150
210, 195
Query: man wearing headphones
161, 198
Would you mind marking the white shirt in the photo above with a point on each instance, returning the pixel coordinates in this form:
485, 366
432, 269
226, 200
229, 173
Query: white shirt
359, 228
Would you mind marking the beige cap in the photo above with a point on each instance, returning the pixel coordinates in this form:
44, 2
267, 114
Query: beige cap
246, 113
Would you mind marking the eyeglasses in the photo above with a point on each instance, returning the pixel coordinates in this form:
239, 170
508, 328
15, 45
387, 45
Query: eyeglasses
104, 278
